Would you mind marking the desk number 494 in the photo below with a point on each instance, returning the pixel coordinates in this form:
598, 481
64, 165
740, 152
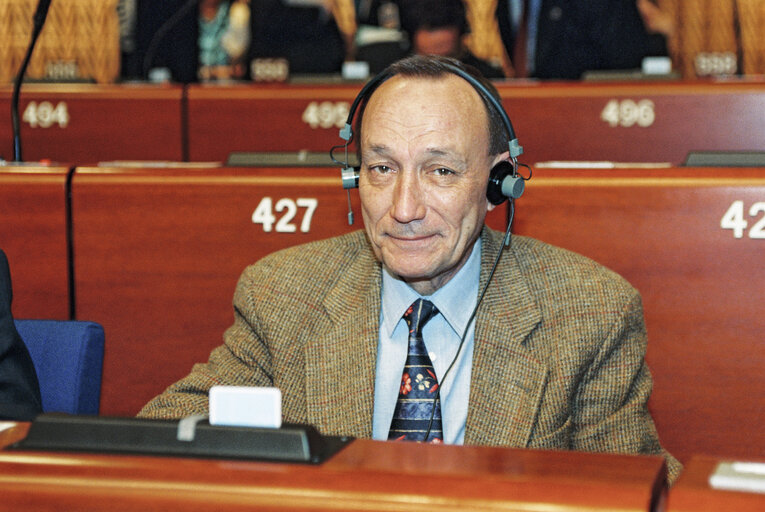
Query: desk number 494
735, 219
45, 115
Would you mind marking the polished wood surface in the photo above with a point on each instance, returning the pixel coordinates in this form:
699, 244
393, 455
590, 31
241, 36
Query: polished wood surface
366, 475
692, 492
701, 287
159, 252
278, 117
624, 122
635, 122
86, 124
33, 234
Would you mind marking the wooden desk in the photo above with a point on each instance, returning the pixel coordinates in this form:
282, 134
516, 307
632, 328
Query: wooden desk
279, 117
627, 122
366, 475
692, 493
701, 286
33, 234
158, 253
85, 124
636, 121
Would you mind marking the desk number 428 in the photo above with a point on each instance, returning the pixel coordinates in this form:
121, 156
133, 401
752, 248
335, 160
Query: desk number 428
264, 214
734, 219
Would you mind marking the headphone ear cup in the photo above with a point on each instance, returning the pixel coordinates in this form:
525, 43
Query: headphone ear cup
350, 176
504, 183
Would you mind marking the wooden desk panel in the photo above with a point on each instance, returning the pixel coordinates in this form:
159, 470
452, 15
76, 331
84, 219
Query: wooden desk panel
635, 122
33, 234
158, 253
366, 475
701, 287
692, 492
645, 121
85, 124
222, 119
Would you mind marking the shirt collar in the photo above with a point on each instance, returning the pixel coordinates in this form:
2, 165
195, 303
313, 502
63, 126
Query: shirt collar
455, 300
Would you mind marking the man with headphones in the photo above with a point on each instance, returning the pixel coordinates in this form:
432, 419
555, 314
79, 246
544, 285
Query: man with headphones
517, 344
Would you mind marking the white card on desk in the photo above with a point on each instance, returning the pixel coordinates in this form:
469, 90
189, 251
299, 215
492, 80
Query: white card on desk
242, 406
739, 476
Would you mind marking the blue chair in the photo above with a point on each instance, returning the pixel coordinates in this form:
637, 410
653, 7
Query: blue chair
68, 357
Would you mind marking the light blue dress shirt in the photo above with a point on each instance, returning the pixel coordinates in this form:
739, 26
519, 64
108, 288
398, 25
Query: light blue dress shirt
455, 302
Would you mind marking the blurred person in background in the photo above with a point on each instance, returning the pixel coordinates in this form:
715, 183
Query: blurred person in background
438, 27
224, 38
556, 39
710, 37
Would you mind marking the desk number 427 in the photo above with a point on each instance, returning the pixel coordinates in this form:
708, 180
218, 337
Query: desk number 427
264, 214
734, 219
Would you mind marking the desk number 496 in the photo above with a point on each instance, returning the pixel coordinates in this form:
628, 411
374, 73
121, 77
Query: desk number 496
264, 214
734, 219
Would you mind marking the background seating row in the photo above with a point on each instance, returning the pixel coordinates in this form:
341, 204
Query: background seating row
623, 122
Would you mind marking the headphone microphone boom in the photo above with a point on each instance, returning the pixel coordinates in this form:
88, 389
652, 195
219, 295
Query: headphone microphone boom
504, 180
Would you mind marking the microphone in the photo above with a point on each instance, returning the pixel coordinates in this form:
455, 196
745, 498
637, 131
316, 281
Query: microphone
41, 13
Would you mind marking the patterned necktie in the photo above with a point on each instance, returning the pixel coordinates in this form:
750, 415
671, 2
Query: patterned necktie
418, 393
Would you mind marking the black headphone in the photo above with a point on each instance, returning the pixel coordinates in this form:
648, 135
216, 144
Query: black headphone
504, 180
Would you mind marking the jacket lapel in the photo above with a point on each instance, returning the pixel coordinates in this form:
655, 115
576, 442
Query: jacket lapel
507, 380
341, 360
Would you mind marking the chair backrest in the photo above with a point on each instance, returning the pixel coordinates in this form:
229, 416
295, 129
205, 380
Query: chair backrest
68, 357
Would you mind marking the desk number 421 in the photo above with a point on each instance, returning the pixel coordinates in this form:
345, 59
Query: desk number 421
264, 214
734, 219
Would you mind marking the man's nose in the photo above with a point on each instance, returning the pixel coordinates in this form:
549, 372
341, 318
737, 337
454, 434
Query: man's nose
408, 199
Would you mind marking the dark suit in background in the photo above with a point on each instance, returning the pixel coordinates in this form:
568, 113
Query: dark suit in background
176, 48
19, 389
308, 37
574, 37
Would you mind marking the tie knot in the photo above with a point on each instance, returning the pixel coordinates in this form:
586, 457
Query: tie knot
418, 314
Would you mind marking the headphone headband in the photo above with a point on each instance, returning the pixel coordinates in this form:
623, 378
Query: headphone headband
515, 149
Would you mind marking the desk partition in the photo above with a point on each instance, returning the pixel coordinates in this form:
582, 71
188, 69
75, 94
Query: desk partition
692, 241
85, 123
33, 235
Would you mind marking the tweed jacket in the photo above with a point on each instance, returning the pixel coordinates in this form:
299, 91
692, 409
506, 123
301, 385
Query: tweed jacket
558, 358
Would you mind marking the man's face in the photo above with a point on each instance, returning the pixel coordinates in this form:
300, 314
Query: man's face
425, 166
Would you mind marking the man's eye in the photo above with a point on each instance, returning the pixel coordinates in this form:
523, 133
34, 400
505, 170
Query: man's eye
442, 171
381, 169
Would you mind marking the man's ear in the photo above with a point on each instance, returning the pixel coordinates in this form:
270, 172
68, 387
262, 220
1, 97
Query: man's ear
497, 159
